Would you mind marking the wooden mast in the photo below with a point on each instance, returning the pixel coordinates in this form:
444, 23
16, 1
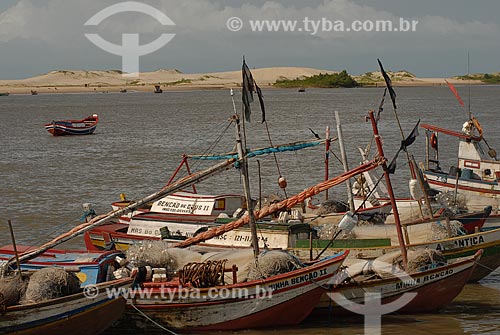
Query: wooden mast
390, 191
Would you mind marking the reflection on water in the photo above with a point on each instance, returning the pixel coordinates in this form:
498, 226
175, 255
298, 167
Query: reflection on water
141, 137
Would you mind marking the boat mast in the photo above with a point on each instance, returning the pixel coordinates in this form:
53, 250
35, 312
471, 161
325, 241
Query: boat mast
390, 191
246, 182
344, 161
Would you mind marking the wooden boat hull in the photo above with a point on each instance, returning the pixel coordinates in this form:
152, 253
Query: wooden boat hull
85, 126
443, 284
90, 267
478, 193
281, 300
75, 314
462, 246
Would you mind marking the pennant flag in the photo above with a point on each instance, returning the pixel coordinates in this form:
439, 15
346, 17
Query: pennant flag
261, 101
410, 138
392, 167
248, 88
388, 82
455, 92
315, 134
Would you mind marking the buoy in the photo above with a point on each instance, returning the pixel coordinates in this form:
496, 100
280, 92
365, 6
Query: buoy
123, 197
282, 182
434, 141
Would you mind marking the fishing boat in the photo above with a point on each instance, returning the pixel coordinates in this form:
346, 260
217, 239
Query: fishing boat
79, 313
158, 89
422, 279
4, 94
90, 267
477, 173
84, 126
280, 300
443, 283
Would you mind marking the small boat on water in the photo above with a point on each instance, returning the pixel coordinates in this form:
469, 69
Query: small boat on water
301, 89
84, 126
4, 94
33, 92
158, 89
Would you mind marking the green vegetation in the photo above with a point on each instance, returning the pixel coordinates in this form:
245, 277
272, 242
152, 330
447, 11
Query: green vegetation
178, 82
341, 79
488, 78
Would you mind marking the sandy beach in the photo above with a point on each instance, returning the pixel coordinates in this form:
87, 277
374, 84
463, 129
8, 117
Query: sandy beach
99, 81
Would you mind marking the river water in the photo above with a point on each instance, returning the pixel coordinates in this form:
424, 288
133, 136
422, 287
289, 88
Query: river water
141, 138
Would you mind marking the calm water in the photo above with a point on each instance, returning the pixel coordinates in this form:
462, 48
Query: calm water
141, 138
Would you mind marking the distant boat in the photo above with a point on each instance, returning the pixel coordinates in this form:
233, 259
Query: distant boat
33, 92
301, 89
4, 94
73, 127
123, 91
158, 89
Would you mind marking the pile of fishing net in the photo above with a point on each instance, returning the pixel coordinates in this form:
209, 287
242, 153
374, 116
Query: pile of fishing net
441, 230
332, 206
50, 283
392, 264
158, 254
449, 199
11, 290
420, 258
271, 263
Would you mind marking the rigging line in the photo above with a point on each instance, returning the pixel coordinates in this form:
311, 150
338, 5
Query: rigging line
151, 320
369, 194
274, 154
211, 147
334, 155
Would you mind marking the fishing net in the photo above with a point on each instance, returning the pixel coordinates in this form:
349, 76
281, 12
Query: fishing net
50, 283
332, 206
441, 230
274, 262
11, 290
448, 199
420, 258
157, 254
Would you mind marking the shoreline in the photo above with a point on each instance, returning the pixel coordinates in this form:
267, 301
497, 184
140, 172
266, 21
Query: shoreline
60, 89
111, 81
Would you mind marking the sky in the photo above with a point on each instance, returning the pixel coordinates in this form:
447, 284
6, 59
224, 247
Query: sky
38, 36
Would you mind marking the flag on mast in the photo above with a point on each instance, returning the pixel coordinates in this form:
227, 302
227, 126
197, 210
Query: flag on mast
455, 92
248, 89
388, 82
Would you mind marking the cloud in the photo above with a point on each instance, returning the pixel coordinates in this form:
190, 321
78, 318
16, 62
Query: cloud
201, 33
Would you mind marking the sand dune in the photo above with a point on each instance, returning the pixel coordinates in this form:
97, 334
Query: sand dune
113, 80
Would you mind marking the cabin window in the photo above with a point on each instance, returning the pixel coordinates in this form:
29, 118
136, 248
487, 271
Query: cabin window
220, 204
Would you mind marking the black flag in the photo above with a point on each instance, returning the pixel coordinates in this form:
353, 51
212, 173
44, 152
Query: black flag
261, 101
388, 82
248, 88
404, 144
392, 167
410, 138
